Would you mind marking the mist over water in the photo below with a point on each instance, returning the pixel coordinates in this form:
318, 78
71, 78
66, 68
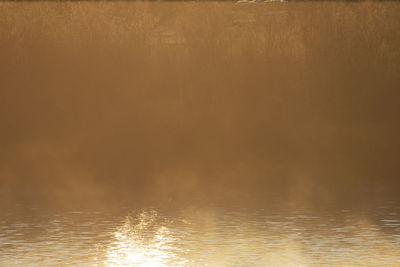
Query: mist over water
190, 110
107, 101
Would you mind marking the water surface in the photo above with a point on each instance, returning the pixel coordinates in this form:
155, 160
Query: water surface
201, 237
104, 103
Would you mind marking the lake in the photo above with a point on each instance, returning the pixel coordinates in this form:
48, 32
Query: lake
199, 133
207, 236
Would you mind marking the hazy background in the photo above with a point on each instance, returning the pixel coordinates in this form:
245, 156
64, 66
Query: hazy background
143, 102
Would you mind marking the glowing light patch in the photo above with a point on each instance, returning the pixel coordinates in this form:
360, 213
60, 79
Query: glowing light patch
143, 241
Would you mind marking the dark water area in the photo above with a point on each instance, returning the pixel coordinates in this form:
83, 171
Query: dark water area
199, 133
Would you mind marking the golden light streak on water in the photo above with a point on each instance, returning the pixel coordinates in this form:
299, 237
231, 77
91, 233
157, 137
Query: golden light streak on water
141, 242
201, 237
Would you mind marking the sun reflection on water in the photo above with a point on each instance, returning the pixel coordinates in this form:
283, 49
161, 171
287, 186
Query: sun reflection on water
143, 241
236, 239
206, 237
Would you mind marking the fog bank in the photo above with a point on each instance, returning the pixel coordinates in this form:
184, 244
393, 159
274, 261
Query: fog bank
102, 102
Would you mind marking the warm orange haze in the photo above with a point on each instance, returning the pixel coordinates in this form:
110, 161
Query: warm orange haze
199, 133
